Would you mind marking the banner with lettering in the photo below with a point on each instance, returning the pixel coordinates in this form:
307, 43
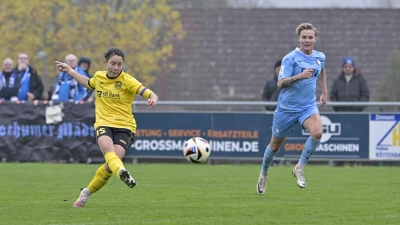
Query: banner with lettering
246, 135
384, 136
229, 134
40, 132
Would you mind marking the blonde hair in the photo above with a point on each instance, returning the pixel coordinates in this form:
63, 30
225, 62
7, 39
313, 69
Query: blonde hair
306, 26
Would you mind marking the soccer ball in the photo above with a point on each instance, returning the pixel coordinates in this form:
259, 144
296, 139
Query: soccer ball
196, 150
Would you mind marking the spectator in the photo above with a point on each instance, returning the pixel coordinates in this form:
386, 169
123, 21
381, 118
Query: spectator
84, 64
9, 81
66, 88
349, 86
271, 90
31, 86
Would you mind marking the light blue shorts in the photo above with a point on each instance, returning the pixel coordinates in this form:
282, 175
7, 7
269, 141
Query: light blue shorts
284, 121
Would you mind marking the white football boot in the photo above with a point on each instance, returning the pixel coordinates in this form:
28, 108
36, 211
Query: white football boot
299, 174
83, 197
262, 184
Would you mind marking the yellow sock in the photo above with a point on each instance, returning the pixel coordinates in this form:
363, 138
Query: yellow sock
99, 180
114, 162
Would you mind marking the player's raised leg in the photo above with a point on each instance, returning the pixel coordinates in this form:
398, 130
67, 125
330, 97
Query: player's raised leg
116, 166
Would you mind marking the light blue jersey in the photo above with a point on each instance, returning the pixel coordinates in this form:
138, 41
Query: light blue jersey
302, 94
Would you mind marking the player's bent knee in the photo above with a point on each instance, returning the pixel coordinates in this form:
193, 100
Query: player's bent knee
276, 143
316, 135
275, 146
119, 151
107, 168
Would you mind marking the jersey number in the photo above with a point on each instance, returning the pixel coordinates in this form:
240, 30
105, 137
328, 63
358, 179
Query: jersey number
100, 131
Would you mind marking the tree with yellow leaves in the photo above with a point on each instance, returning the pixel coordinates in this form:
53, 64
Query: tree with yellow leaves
48, 30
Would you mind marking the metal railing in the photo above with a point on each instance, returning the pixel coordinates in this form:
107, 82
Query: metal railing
264, 103
257, 106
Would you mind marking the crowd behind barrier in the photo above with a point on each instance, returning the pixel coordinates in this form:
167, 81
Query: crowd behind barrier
63, 131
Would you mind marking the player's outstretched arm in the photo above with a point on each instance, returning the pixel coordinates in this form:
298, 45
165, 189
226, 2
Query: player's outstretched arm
83, 80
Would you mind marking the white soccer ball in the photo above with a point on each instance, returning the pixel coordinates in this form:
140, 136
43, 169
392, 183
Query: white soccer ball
196, 150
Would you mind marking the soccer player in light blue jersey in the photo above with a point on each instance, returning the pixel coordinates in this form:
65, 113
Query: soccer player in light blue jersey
298, 77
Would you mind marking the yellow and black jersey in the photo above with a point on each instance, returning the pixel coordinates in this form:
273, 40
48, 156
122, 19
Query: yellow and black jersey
114, 97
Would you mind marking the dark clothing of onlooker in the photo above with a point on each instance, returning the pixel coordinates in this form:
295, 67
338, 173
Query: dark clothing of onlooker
88, 62
271, 92
356, 90
34, 83
85, 60
9, 85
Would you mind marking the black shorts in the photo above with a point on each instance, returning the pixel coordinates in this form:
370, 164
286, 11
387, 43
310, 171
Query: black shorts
119, 136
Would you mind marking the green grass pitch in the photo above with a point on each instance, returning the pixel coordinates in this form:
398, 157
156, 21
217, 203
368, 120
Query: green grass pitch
36, 193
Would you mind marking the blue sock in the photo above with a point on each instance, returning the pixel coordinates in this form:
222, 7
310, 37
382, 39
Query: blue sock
268, 157
309, 148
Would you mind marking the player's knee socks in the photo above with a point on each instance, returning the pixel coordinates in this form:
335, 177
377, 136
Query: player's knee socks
267, 160
309, 148
114, 162
99, 180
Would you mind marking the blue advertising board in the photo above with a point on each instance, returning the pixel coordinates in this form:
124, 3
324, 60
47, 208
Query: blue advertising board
344, 136
246, 135
229, 135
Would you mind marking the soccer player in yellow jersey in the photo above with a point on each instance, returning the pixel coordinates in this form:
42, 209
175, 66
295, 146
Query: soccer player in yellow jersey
115, 125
